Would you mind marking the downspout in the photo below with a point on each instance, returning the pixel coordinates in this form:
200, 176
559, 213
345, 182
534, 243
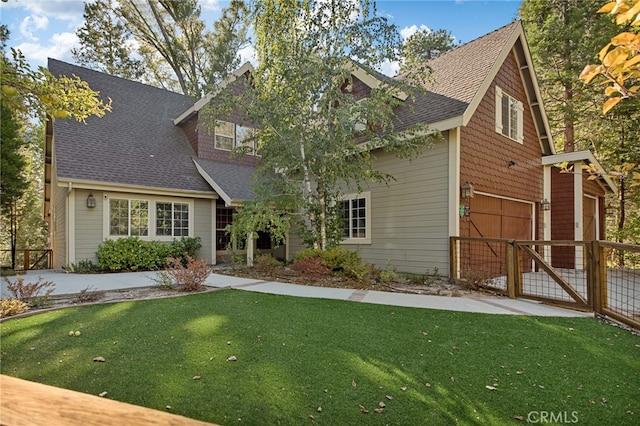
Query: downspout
70, 228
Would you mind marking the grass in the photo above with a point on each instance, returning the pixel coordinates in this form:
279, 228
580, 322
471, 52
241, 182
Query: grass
295, 355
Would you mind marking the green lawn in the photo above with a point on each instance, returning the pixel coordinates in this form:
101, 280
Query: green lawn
295, 355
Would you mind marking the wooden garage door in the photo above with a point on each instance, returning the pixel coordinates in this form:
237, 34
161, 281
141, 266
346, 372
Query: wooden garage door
499, 218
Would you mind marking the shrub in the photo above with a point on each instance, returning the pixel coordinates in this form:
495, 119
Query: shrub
84, 266
30, 293
89, 295
312, 266
184, 278
186, 245
10, 307
133, 254
266, 263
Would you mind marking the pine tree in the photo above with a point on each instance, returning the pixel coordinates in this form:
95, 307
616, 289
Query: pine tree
104, 42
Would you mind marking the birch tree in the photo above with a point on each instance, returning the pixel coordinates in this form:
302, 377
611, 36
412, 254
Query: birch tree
315, 137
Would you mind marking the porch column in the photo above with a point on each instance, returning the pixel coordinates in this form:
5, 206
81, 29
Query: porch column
250, 249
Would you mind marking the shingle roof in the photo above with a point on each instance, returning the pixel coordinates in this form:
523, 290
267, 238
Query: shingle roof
134, 144
457, 77
232, 181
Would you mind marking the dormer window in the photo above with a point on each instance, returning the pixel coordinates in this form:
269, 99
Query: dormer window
509, 116
229, 136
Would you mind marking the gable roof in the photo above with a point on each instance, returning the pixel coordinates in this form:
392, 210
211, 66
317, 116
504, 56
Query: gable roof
134, 145
585, 158
462, 76
231, 181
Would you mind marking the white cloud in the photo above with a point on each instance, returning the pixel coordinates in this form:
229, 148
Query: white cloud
213, 5
67, 10
389, 68
248, 54
407, 32
58, 47
33, 23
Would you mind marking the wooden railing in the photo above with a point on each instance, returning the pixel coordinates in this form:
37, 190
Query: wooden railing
28, 403
28, 259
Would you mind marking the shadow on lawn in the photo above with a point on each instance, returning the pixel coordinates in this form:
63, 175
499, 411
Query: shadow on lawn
298, 358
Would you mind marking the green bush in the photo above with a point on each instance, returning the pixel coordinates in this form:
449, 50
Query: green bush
337, 259
133, 254
266, 263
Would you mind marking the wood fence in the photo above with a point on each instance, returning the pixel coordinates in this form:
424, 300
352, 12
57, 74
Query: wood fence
598, 276
29, 259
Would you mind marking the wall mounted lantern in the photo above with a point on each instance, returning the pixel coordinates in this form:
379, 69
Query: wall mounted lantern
545, 205
466, 191
91, 201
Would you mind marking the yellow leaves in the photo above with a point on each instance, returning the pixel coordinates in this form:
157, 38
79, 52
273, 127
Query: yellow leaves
620, 59
610, 103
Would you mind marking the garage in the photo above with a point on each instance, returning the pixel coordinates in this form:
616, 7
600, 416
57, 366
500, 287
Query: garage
493, 217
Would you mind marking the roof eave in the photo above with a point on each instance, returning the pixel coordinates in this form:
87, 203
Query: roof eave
580, 156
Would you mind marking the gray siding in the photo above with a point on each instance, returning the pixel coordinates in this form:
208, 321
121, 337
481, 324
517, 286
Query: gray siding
59, 219
203, 227
89, 226
409, 217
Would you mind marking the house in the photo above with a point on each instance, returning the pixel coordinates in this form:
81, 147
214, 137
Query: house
151, 169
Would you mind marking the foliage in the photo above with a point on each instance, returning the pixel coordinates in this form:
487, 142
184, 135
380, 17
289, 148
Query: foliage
133, 254
186, 247
300, 98
173, 31
38, 92
84, 266
337, 259
89, 295
34, 294
388, 274
266, 263
311, 266
360, 353
13, 181
190, 277
556, 36
104, 42
425, 45
620, 58
10, 307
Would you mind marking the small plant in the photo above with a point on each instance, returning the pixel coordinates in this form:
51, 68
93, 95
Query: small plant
31, 293
476, 280
85, 266
266, 263
10, 307
389, 274
89, 295
311, 266
187, 278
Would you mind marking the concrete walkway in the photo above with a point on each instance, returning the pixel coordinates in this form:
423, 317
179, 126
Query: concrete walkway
74, 283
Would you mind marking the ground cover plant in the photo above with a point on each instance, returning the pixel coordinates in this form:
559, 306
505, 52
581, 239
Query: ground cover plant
234, 357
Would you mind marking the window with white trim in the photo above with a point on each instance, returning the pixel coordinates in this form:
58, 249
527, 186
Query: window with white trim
229, 136
128, 217
355, 212
509, 116
172, 219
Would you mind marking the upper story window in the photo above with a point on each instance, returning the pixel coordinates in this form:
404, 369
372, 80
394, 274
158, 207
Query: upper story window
229, 136
509, 116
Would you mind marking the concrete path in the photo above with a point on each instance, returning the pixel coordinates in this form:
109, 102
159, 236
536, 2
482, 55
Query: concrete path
74, 283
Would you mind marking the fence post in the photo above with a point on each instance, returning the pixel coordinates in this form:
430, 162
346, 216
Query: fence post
599, 278
453, 259
517, 269
510, 260
25, 260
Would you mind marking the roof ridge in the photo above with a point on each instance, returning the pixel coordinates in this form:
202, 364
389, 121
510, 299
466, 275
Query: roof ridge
86, 69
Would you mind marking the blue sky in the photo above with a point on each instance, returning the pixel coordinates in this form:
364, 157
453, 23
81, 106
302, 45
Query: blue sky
46, 28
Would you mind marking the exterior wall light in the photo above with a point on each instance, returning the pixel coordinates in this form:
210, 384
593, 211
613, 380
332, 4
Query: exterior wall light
91, 201
545, 205
466, 191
